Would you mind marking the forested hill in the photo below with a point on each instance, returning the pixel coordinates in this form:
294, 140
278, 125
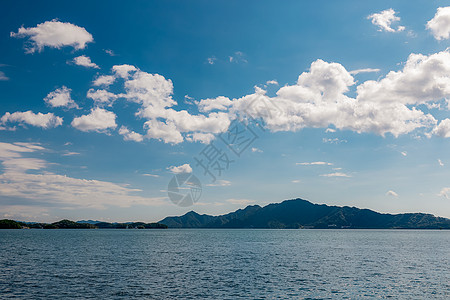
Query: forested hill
299, 213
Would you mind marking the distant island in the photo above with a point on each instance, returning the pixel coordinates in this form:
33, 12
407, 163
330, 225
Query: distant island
299, 213
67, 224
289, 214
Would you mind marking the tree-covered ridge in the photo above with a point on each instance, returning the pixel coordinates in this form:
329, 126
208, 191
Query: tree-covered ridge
300, 213
67, 224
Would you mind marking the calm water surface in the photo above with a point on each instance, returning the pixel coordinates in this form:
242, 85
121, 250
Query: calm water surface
224, 264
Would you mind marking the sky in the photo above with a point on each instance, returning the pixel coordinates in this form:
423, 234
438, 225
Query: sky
103, 104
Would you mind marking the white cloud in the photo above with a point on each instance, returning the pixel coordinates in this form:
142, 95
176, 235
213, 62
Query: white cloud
391, 193
273, 82
98, 120
385, 19
336, 174
60, 98
404, 153
367, 70
153, 93
423, 79
440, 24
50, 189
328, 130
237, 57
254, 149
71, 153
102, 97
45, 121
296, 181
241, 201
315, 163
150, 175
443, 129
333, 141
445, 192
211, 60
129, 135
166, 132
123, 71
186, 168
220, 183
54, 34
85, 61
104, 80
440, 163
219, 103
204, 138
3, 77
110, 52
318, 100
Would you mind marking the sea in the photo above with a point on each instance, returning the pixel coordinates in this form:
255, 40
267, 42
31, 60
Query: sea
224, 264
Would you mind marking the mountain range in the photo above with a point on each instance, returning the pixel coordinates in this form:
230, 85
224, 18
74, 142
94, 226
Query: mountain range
299, 213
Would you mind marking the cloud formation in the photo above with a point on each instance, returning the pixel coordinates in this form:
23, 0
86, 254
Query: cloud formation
186, 168
129, 135
54, 34
41, 120
85, 61
55, 190
440, 24
60, 98
391, 193
385, 19
99, 120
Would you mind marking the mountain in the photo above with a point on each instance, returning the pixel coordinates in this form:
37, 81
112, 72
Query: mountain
299, 213
88, 222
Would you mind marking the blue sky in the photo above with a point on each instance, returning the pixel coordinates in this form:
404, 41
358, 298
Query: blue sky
101, 104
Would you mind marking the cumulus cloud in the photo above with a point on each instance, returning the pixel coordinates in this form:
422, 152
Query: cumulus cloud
60, 98
204, 138
186, 168
153, 93
45, 121
318, 99
99, 120
443, 129
123, 71
54, 34
129, 135
385, 19
85, 61
219, 103
391, 193
440, 24
101, 97
440, 163
104, 80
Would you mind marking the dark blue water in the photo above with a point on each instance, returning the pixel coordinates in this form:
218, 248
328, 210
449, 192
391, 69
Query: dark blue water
224, 264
